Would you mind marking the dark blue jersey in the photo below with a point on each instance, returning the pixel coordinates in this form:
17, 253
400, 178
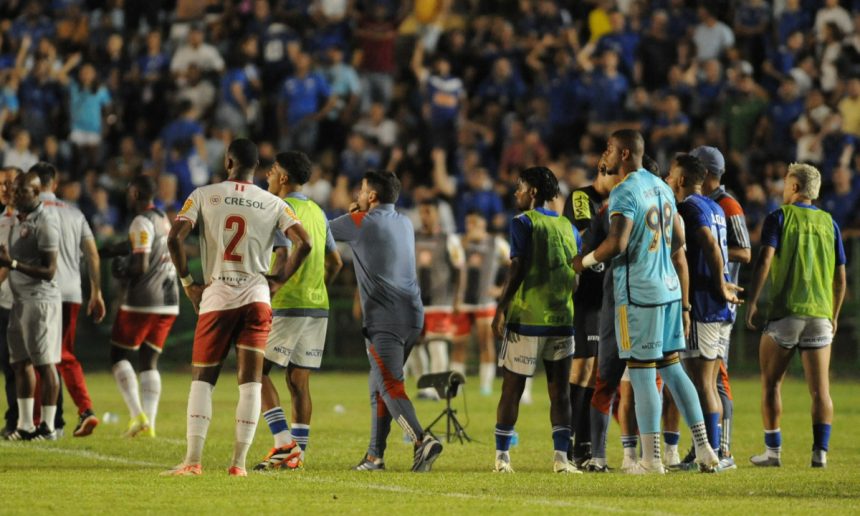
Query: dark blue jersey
699, 211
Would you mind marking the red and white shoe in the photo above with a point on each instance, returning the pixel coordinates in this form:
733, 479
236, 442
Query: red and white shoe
184, 470
236, 471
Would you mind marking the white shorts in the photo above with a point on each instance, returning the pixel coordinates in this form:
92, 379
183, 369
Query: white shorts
297, 340
35, 332
803, 332
708, 340
520, 353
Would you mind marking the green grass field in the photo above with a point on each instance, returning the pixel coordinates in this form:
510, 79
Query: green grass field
105, 473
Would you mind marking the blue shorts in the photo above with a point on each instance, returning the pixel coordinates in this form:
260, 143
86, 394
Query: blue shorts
649, 333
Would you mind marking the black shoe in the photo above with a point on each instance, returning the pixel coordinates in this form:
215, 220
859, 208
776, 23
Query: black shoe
425, 453
581, 454
43, 434
86, 424
20, 435
690, 458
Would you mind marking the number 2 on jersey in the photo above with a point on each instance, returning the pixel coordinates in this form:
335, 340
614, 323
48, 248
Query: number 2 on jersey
653, 221
237, 224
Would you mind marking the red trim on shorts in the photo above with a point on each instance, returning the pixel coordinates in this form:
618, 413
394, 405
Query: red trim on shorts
394, 387
724, 379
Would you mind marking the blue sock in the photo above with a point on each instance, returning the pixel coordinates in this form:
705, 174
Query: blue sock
503, 437
648, 405
276, 420
773, 439
684, 393
712, 424
560, 438
301, 433
672, 438
820, 436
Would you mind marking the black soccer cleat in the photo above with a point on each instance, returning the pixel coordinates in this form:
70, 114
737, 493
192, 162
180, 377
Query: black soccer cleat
426, 453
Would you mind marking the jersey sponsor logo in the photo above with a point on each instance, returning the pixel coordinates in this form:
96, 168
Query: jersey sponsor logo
247, 203
290, 212
143, 238
581, 206
187, 206
215, 200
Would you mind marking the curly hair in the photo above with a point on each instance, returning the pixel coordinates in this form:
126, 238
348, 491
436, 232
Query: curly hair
297, 164
543, 180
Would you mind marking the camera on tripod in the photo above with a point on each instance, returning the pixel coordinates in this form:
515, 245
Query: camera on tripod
446, 385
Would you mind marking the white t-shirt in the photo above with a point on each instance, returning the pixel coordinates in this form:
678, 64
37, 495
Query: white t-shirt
237, 224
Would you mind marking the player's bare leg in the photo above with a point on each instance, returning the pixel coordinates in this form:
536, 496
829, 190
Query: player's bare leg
507, 413
487, 354
816, 367
25, 392
703, 373
773, 360
298, 382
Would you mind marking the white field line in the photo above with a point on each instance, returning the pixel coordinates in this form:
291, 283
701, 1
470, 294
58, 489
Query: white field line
577, 504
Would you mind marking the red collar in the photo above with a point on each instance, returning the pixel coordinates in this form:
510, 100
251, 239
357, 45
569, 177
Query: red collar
240, 181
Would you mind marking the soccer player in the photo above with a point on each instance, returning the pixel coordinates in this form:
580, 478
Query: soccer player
383, 246
580, 208
237, 223
149, 307
76, 238
707, 261
30, 263
485, 256
439, 258
535, 314
7, 178
798, 285
738, 241
300, 316
645, 242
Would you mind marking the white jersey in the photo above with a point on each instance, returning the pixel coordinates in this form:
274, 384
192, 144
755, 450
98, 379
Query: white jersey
7, 220
237, 222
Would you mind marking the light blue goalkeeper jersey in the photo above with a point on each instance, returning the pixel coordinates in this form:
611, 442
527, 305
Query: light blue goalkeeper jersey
643, 273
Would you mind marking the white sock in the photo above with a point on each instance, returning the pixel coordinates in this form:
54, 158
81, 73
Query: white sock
671, 449
438, 350
650, 447
559, 456
818, 456
199, 414
503, 455
49, 413
150, 390
459, 367
25, 414
126, 380
247, 413
700, 435
487, 373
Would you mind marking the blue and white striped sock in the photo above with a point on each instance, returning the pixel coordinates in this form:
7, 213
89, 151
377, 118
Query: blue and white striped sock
277, 422
504, 434
301, 433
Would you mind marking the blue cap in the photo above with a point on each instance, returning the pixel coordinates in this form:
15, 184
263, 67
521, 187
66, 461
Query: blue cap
712, 158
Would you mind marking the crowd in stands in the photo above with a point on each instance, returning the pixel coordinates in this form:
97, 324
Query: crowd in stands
456, 96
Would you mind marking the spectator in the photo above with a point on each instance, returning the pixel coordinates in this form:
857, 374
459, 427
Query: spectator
479, 195
346, 92
240, 86
443, 99
782, 61
710, 89
503, 87
657, 52
792, 19
712, 37
607, 90
842, 201
197, 91
166, 197
808, 131
783, 112
196, 52
670, 133
849, 107
19, 154
376, 35
829, 50
378, 128
357, 159
833, 13
751, 24
305, 100
621, 40
185, 147
742, 109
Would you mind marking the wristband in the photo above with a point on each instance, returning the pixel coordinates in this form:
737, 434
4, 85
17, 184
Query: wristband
687, 308
14, 265
589, 260
186, 281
